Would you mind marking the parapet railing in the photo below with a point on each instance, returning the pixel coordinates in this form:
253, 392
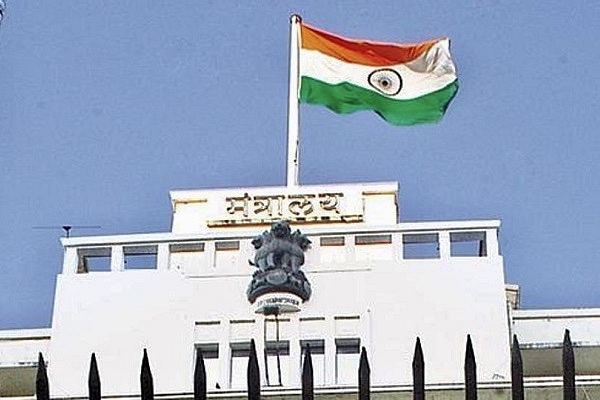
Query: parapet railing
224, 252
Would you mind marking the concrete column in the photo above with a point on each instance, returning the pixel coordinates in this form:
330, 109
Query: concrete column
397, 246
491, 241
444, 244
365, 330
224, 355
330, 351
259, 342
163, 257
117, 259
349, 248
295, 364
70, 261
209, 250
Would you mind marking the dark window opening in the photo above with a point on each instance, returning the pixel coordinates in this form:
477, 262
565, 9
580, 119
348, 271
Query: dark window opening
420, 246
468, 244
282, 347
347, 346
317, 346
227, 245
209, 350
240, 349
93, 260
332, 241
186, 247
347, 356
140, 257
372, 239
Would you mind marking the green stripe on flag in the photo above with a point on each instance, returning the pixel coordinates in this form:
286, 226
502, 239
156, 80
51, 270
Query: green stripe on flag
345, 98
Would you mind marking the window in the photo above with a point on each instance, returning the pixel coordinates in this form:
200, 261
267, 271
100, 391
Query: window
140, 257
312, 327
227, 256
186, 247
240, 353
373, 247
332, 241
419, 246
210, 354
372, 239
347, 356
189, 258
226, 245
278, 362
241, 330
95, 259
331, 249
347, 326
317, 354
207, 331
468, 244
277, 351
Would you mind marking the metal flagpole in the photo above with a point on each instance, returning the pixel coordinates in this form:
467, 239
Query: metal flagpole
293, 148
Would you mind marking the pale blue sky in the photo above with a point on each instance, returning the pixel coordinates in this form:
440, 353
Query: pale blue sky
107, 105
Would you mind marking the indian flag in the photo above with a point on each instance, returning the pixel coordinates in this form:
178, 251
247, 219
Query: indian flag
404, 84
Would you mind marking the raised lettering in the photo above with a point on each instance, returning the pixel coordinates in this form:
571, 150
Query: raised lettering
330, 201
237, 204
303, 205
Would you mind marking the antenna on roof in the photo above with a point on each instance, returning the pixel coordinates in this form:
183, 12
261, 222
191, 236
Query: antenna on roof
67, 228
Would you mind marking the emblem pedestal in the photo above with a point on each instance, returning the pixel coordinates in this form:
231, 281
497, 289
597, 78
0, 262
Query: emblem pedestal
277, 303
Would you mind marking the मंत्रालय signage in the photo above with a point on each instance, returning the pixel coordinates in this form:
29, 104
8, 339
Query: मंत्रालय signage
295, 207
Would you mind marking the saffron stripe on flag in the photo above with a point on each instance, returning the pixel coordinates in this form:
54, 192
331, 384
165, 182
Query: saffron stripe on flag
375, 54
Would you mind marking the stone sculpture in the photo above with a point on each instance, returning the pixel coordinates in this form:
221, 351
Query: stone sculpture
278, 258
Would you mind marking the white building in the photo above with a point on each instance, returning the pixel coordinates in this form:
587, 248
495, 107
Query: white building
377, 283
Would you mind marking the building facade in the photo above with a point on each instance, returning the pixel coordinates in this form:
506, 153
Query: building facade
373, 281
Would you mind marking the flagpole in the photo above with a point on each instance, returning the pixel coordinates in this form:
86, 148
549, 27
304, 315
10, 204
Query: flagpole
293, 148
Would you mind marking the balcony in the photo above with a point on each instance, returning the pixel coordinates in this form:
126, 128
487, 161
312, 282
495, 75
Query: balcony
227, 253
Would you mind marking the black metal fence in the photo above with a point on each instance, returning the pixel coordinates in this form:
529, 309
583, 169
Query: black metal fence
364, 373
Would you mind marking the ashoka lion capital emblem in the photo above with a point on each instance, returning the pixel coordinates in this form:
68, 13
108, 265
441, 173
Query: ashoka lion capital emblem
278, 258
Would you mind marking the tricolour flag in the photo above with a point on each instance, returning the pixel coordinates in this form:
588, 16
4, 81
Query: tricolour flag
404, 84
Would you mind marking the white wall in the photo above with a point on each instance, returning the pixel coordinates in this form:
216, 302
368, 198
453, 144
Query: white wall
441, 302
547, 327
21, 346
117, 315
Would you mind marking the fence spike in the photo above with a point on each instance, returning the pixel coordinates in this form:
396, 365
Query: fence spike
199, 377
146, 382
418, 366
470, 372
516, 371
364, 377
253, 374
94, 392
307, 376
568, 361
42, 390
